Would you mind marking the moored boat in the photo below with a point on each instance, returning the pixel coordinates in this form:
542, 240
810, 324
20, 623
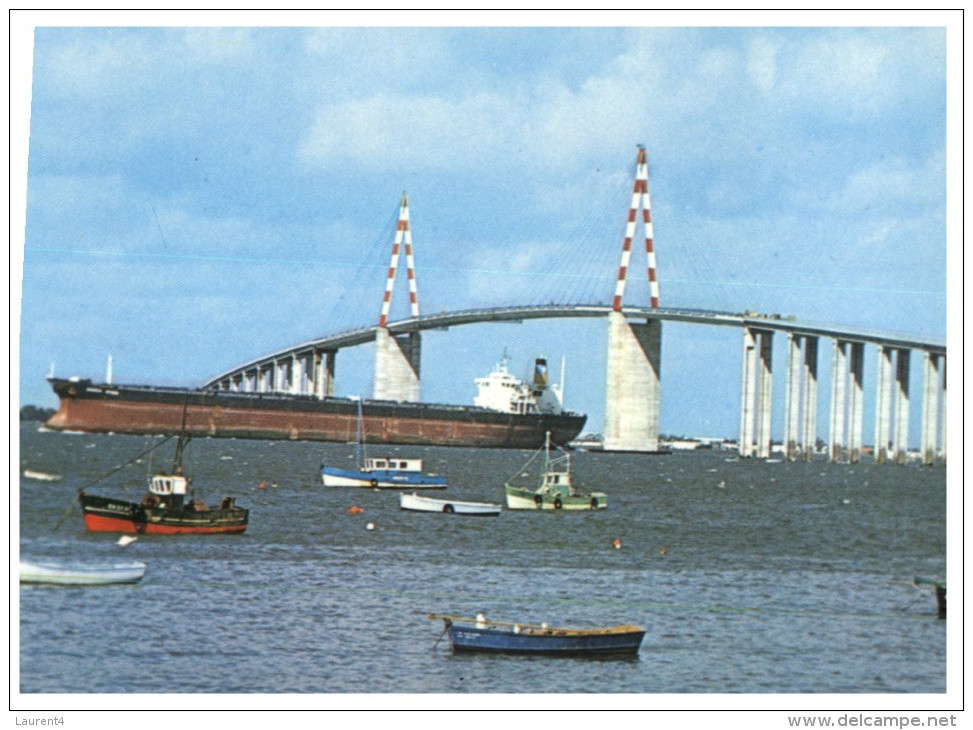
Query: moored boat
41, 476
482, 635
169, 508
384, 473
380, 473
418, 503
556, 491
76, 573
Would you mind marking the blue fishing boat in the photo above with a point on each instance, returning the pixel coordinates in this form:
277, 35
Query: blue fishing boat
388, 472
482, 635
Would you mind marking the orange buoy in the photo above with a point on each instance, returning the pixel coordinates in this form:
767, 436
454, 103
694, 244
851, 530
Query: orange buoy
663, 551
263, 485
617, 544
355, 510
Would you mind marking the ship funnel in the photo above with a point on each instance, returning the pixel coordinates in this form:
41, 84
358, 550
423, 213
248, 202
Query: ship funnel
540, 373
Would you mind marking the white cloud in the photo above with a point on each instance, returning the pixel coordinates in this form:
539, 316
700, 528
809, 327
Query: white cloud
216, 45
419, 131
762, 62
893, 184
856, 75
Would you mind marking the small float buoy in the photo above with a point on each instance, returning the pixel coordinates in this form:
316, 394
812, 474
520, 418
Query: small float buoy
617, 544
274, 485
262, 485
355, 510
370, 526
126, 540
663, 551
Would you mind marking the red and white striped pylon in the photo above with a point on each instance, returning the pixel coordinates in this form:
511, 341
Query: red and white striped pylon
402, 231
640, 197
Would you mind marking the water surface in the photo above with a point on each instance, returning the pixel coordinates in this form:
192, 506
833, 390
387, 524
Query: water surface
749, 577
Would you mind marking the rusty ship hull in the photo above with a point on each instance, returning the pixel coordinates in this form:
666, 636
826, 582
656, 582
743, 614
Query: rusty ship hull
108, 408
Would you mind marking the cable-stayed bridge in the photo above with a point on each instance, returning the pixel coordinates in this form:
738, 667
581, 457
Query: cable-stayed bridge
634, 363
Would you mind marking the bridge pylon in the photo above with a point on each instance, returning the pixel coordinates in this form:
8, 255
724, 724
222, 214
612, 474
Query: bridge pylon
634, 348
397, 357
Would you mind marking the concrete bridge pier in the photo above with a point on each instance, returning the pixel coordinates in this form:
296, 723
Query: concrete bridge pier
792, 398
747, 387
900, 446
883, 405
756, 390
397, 360
847, 377
855, 401
632, 386
809, 424
839, 381
295, 385
324, 364
943, 430
930, 408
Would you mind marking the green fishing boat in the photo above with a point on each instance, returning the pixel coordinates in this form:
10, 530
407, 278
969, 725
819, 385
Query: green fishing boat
556, 491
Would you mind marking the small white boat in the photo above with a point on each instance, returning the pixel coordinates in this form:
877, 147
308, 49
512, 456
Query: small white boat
80, 574
415, 503
41, 476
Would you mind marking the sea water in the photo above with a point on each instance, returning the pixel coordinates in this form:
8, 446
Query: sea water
749, 577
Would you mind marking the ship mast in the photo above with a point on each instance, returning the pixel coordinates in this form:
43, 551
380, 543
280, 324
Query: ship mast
181, 445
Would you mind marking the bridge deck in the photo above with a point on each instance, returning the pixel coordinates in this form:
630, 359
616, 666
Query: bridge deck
445, 320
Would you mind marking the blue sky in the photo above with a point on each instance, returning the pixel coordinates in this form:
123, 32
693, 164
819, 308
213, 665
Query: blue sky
198, 196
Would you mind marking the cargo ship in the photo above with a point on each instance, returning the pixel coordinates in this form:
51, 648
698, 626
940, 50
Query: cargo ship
516, 414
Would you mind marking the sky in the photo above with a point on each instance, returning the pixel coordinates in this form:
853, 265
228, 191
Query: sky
195, 197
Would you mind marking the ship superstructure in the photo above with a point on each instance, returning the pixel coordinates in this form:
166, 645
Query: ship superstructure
502, 391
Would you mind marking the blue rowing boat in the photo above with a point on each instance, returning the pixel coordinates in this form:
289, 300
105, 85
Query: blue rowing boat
481, 635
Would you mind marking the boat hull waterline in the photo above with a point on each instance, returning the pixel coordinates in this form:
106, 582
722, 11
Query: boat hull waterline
103, 514
528, 499
468, 635
332, 477
417, 503
58, 573
85, 406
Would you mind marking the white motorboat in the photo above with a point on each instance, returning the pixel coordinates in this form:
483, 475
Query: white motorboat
416, 503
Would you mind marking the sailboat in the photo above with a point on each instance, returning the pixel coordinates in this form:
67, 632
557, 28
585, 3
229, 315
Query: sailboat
556, 491
169, 508
386, 472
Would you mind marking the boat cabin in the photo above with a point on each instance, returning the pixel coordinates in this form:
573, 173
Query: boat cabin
557, 479
393, 464
166, 485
